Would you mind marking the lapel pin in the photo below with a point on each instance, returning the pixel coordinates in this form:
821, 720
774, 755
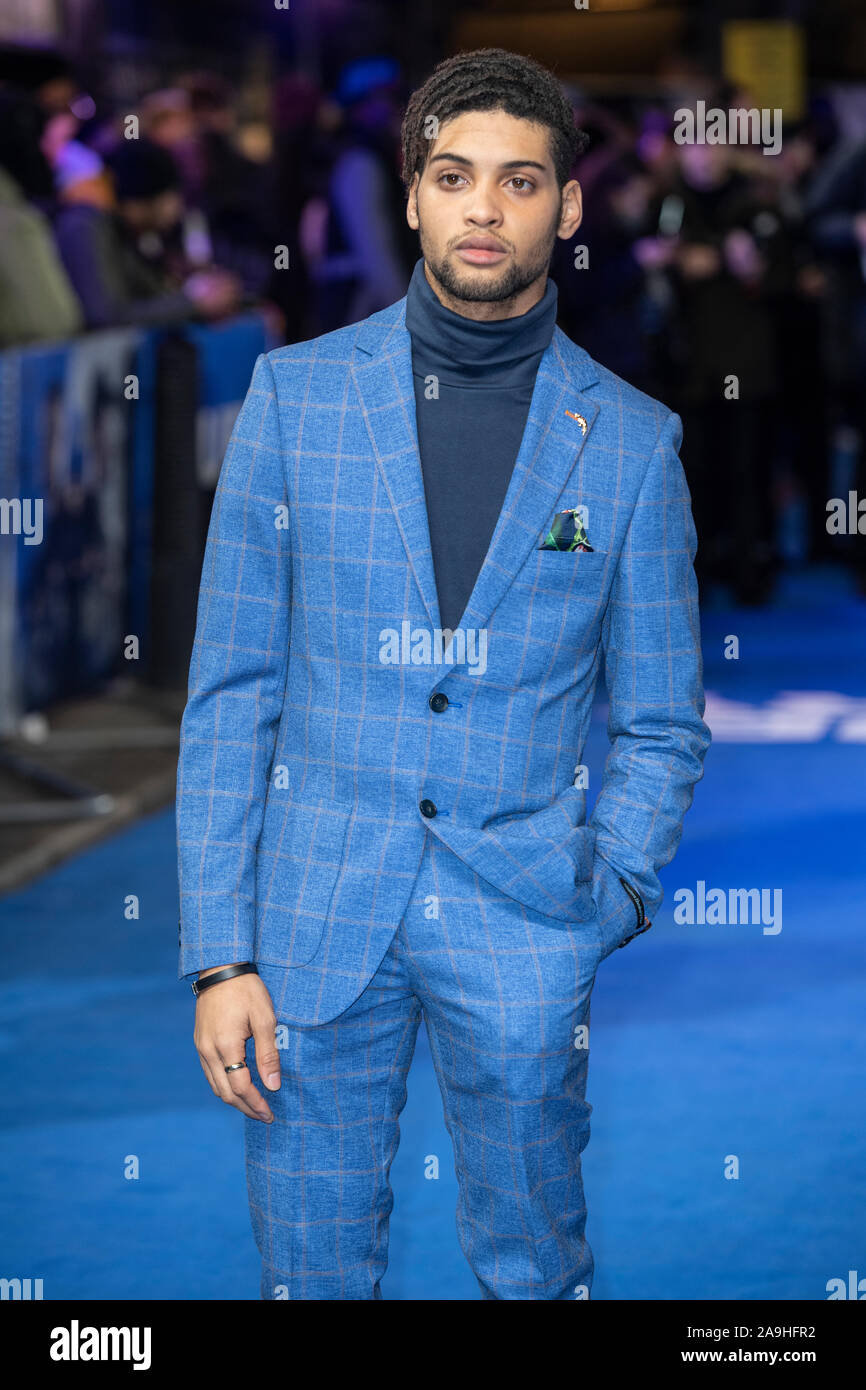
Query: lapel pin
580, 420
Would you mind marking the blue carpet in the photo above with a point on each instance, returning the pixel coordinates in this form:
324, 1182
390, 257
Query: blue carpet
123, 1176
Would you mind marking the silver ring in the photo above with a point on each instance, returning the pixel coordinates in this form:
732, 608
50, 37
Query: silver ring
236, 1066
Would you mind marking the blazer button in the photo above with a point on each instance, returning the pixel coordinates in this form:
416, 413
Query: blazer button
427, 808
438, 702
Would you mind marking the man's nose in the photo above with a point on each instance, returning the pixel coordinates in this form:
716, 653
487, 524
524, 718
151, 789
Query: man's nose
483, 209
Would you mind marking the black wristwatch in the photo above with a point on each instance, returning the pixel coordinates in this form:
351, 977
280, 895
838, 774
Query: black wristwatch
219, 975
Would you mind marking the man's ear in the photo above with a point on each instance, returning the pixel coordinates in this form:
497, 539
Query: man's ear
412, 203
571, 214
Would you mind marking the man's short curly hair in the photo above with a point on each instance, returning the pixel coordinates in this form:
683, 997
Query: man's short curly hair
491, 79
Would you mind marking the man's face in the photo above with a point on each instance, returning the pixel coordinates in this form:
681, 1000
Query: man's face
488, 210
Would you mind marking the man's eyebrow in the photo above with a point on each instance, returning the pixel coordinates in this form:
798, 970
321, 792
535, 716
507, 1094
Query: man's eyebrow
449, 158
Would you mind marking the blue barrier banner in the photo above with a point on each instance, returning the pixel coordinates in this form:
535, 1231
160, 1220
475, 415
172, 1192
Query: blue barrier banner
227, 354
10, 424
77, 432
72, 461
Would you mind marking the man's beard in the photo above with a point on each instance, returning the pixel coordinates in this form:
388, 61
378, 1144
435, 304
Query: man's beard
485, 288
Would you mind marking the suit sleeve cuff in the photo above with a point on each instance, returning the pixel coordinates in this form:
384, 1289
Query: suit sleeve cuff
621, 912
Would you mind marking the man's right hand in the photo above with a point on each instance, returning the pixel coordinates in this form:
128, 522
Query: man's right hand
225, 1016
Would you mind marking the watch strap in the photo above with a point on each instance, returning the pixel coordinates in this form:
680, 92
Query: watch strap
247, 968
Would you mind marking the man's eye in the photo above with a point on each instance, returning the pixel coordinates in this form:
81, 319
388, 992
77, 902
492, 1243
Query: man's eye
452, 175
526, 183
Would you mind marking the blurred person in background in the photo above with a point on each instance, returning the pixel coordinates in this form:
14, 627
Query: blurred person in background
605, 306
368, 253
835, 211
228, 198
105, 216
727, 273
166, 118
37, 299
610, 132
300, 208
656, 149
799, 322
49, 78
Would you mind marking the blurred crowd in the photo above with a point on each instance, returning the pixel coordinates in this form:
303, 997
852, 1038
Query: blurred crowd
730, 285
180, 209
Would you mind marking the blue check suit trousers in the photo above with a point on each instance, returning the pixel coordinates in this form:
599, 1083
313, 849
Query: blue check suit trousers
505, 994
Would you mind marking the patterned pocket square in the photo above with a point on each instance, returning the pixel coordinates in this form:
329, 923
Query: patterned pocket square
567, 532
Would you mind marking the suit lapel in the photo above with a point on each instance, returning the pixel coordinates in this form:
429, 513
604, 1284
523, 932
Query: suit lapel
550, 448
386, 390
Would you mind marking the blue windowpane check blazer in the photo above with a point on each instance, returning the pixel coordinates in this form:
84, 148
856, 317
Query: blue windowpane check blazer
308, 741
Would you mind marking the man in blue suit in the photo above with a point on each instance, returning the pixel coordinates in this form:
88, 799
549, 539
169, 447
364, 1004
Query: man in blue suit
431, 530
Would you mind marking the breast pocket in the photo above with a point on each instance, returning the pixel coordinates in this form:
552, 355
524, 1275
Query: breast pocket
564, 585
299, 857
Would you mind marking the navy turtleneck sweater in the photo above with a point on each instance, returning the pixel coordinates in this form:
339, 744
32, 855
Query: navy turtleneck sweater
469, 435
